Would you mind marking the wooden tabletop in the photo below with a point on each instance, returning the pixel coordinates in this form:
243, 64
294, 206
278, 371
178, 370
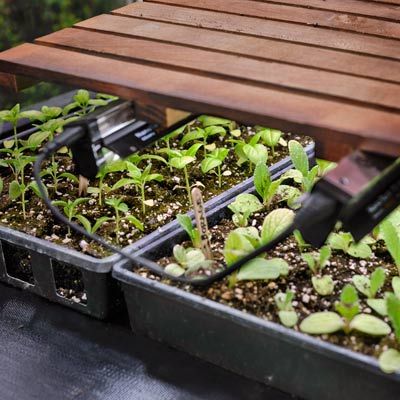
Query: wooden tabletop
330, 69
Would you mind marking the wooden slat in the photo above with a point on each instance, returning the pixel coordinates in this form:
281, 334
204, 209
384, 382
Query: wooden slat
258, 48
355, 7
335, 125
258, 27
280, 12
243, 69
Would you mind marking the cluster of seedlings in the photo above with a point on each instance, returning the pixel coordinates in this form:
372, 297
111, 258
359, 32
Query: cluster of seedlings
347, 293
129, 198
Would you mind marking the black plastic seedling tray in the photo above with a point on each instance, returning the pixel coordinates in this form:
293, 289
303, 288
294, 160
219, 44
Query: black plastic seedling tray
101, 291
258, 349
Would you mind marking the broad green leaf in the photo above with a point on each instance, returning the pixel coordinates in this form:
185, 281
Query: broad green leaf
360, 250
8, 144
193, 149
378, 305
275, 223
209, 163
246, 203
208, 121
363, 284
340, 241
257, 153
123, 207
324, 256
174, 270
324, 285
260, 268
288, 318
14, 190
299, 157
325, 166
35, 189
181, 162
250, 233
349, 295
32, 114
122, 183
214, 130
389, 361
194, 256
236, 246
322, 322
370, 325
294, 174
180, 254
186, 223
262, 179
377, 281
193, 135
271, 136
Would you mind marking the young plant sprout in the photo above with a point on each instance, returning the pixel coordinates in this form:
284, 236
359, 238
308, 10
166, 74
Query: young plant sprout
104, 171
243, 207
369, 286
83, 104
265, 186
70, 208
92, 228
286, 313
317, 261
324, 167
139, 178
186, 223
180, 159
213, 161
271, 138
301, 243
188, 261
120, 207
344, 241
202, 135
13, 116
252, 152
380, 305
302, 173
347, 318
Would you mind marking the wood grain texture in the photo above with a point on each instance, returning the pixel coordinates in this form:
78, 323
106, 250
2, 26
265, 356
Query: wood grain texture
282, 12
337, 127
253, 47
322, 83
316, 36
354, 7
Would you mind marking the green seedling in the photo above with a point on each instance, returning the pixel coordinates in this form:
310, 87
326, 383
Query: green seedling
186, 223
70, 208
188, 261
92, 229
105, 170
265, 186
276, 222
389, 360
213, 162
202, 135
287, 314
13, 116
344, 241
324, 167
380, 305
301, 243
271, 138
139, 178
48, 113
180, 159
120, 207
369, 286
347, 318
243, 207
316, 261
391, 236
207, 121
302, 174
1, 185
252, 152
82, 103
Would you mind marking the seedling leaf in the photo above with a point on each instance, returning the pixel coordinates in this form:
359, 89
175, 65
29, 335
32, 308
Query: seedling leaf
322, 322
370, 325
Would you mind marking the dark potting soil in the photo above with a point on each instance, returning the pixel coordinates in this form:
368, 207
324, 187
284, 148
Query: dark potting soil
257, 297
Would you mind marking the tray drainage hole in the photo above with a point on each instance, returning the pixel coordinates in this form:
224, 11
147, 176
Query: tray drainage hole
69, 282
18, 262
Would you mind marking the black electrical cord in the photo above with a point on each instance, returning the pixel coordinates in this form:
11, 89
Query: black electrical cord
75, 133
